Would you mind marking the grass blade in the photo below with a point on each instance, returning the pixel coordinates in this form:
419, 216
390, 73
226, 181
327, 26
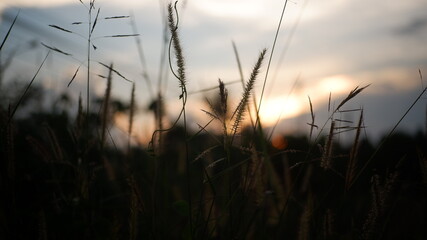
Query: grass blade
96, 21
121, 35
8, 31
131, 114
105, 112
116, 17
115, 71
74, 76
56, 49
60, 28
312, 126
26, 90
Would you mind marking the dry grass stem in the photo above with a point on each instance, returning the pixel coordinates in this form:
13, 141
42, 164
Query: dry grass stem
60, 28
131, 110
326, 161
106, 106
56, 49
74, 76
352, 164
312, 125
8, 31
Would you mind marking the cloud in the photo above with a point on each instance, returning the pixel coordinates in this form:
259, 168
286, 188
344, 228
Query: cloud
416, 25
38, 3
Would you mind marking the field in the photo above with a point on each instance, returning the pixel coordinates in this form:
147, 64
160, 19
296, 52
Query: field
63, 175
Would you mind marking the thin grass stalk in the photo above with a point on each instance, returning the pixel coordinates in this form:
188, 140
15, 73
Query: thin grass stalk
79, 118
239, 65
163, 52
9, 30
141, 55
351, 167
312, 118
105, 107
159, 118
89, 45
180, 75
270, 59
287, 43
131, 115
26, 90
327, 150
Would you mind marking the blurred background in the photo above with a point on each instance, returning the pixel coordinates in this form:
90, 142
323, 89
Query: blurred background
324, 48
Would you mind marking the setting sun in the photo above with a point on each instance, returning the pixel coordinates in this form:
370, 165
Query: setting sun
336, 84
280, 108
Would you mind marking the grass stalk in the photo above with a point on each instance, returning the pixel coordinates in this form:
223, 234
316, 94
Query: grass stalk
269, 60
12, 114
351, 167
89, 45
9, 31
105, 107
180, 75
131, 115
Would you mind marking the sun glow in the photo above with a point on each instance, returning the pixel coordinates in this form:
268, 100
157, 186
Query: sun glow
280, 108
337, 84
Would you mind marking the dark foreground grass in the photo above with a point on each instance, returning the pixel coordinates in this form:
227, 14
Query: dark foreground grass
59, 184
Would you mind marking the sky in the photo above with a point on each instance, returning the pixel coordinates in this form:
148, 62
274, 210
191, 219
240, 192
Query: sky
324, 48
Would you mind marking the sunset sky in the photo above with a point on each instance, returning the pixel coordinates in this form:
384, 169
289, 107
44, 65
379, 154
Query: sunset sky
324, 46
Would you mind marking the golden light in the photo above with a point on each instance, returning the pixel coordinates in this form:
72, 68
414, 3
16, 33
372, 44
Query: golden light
337, 84
141, 133
280, 108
